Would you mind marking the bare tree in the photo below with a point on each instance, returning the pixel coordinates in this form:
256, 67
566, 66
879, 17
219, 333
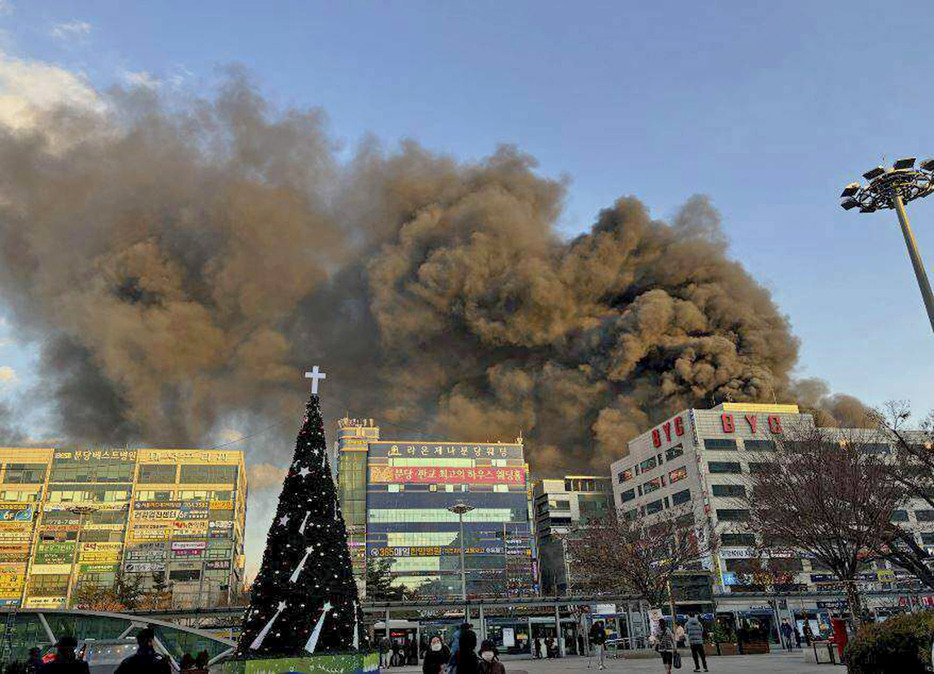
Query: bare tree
639, 555
913, 468
823, 493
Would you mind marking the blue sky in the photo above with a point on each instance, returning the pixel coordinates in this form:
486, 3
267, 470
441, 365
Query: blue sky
768, 107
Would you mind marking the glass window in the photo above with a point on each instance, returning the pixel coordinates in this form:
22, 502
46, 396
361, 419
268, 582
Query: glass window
625, 475
759, 467
157, 474
673, 453
654, 507
874, 448
720, 445
748, 540
627, 496
25, 473
723, 467
728, 490
681, 497
208, 474
652, 485
732, 514
759, 445
899, 515
677, 474
926, 515
927, 538
648, 464
562, 505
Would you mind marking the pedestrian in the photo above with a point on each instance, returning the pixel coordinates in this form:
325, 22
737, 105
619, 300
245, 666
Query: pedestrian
680, 637
65, 661
695, 632
665, 644
396, 654
598, 642
797, 636
455, 645
436, 657
466, 656
385, 651
413, 652
34, 661
550, 647
808, 632
187, 663
786, 631
201, 662
145, 660
489, 659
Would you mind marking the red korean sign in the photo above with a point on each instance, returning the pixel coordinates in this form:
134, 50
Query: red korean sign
442, 475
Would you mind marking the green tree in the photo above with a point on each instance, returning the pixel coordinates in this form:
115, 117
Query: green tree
379, 585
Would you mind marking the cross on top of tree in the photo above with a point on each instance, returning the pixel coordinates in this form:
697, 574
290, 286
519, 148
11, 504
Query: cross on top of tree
315, 376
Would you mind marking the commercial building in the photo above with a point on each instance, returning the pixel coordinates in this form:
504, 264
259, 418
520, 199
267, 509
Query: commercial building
561, 506
700, 460
70, 519
406, 493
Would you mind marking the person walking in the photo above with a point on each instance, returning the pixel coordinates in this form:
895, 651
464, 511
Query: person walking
436, 657
787, 635
34, 661
808, 632
694, 629
489, 659
385, 651
65, 661
665, 644
680, 637
145, 660
598, 642
466, 656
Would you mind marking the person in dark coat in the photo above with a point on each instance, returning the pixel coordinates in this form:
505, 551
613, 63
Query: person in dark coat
467, 651
65, 661
145, 660
489, 659
34, 661
436, 657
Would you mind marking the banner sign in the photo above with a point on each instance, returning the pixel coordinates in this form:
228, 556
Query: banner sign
432, 551
151, 515
222, 505
45, 602
187, 456
150, 532
220, 524
189, 545
17, 512
121, 455
144, 567
436, 475
190, 527
445, 449
217, 564
100, 552
50, 552
187, 553
98, 568
157, 505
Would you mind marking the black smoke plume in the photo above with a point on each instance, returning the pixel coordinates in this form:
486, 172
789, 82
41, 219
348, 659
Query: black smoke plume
183, 262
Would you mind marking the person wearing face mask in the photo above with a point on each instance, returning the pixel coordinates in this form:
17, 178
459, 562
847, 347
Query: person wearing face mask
489, 663
436, 657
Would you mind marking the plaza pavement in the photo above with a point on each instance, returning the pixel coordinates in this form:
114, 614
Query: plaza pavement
773, 663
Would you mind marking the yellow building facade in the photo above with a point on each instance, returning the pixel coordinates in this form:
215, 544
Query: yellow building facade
74, 518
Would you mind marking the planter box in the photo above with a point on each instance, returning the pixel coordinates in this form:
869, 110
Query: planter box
338, 663
755, 648
710, 649
727, 649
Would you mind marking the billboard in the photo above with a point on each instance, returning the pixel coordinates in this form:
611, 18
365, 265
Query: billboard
17, 512
150, 532
217, 564
432, 450
144, 567
433, 551
111, 455
52, 552
100, 552
443, 475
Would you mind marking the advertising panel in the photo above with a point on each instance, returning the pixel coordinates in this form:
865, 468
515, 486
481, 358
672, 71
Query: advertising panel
151, 515
217, 564
222, 505
193, 510
220, 525
13, 552
187, 456
187, 553
12, 579
12, 533
145, 553
98, 568
189, 545
52, 552
17, 512
144, 567
44, 602
112, 455
445, 449
190, 527
157, 505
150, 532
100, 552
433, 551
49, 569
441, 475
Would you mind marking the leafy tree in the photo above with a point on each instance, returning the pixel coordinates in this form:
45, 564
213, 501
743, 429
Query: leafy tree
379, 582
158, 596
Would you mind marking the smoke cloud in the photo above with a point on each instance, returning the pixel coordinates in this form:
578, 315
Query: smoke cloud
182, 262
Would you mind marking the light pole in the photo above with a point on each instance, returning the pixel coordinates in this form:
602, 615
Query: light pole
893, 188
459, 509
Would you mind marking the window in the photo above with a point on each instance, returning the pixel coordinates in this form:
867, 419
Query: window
652, 485
759, 445
759, 467
681, 497
899, 515
627, 496
927, 538
723, 467
744, 566
874, 448
49, 585
673, 453
747, 540
156, 474
625, 475
728, 490
654, 507
184, 574
562, 505
648, 464
25, 473
677, 474
924, 515
732, 515
207, 474
720, 445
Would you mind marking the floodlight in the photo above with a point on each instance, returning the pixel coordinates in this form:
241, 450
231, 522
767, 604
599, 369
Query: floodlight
850, 190
928, 164
867, 209
874, 173
906, 163
849, 203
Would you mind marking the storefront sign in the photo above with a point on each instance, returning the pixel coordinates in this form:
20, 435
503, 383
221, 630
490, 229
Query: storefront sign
189, 545
437, 475
49, 552
100, 552
98, 568
45, 602
17, 512
187, 553
190, 527
121, 455
444, 449
187, 456
217, 564
144, 567
150, 532
433, 551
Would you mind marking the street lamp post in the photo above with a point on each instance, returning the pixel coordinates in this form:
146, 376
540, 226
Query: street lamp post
893, 188
459, 509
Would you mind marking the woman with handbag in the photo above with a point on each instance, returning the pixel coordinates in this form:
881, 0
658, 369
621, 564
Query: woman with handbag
665, 645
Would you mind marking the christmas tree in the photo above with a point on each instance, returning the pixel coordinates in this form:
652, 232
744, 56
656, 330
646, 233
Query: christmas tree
304, 599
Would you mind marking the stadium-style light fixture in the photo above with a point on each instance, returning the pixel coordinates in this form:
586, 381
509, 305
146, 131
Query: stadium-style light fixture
893, 188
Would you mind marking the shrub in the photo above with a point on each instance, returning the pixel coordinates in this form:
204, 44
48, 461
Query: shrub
900, 645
